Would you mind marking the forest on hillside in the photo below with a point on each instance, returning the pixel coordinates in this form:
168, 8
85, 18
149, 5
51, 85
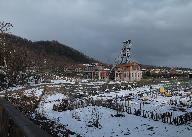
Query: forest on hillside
20, 59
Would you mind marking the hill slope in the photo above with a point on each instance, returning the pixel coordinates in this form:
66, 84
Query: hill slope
58, 50
52, 50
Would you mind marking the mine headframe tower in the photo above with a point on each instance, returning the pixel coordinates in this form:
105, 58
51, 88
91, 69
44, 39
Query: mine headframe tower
123, 58
126, 52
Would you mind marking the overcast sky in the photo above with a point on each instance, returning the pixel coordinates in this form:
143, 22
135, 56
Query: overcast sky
161, 30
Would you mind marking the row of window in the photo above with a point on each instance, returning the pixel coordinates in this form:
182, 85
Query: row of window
126, 75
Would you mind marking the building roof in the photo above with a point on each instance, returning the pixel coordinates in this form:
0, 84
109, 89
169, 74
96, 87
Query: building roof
128, 64
128, 67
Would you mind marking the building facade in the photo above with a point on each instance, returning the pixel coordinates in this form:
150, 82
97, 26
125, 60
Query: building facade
96, 71
128, 72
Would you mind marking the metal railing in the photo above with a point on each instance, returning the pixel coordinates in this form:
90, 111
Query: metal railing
14, 124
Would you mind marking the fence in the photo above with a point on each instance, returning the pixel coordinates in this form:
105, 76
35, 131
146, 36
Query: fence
166, 117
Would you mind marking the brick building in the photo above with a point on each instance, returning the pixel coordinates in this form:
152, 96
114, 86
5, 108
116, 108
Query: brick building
96, 71
128, 72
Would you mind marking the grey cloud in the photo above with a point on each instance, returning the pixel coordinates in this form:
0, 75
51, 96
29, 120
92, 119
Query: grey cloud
161, 30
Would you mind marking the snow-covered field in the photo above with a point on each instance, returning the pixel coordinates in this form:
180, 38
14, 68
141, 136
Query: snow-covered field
130, 125
98, 121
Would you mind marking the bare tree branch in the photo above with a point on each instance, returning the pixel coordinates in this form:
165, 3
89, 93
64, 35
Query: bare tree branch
5, 27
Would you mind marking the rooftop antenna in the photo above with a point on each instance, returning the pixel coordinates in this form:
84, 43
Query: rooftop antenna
126, 52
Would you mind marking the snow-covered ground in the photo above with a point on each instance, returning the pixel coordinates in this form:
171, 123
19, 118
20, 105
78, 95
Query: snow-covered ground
80, 119
95, 121
33, 92
15, 88
159, 104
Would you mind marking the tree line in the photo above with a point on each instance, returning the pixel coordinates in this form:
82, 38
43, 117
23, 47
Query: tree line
22, 59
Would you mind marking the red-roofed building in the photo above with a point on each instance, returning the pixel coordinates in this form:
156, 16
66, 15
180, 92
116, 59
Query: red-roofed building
128, 72
96, 71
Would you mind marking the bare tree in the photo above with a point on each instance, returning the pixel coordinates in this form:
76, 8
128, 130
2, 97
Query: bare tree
14, 60
4, 28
